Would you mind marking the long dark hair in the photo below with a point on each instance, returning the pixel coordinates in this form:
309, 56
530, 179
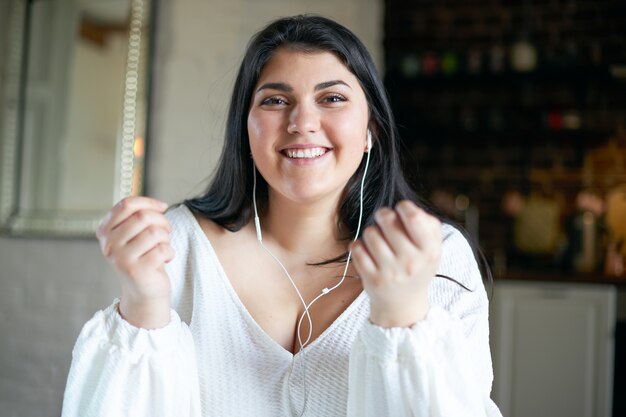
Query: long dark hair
228, 199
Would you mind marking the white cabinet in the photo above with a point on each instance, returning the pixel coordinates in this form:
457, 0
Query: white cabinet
552, 347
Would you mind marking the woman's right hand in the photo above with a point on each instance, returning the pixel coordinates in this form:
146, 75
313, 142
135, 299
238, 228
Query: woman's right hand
135, 237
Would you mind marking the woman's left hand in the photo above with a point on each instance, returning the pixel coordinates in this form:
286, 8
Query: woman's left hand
396, 259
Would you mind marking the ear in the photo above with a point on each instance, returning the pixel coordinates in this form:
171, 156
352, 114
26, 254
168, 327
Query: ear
368, 144
372, 134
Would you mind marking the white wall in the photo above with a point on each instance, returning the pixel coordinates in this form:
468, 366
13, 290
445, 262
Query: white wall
49, 288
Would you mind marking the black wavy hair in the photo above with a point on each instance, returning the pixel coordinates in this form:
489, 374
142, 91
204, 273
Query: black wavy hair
228, 199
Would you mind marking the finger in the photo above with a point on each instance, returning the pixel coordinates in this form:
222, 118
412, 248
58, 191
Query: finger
363, 262
145, 241
128, 260
377, 247
113, 240
136, 223
422, 228
158, 255
126, 207
394, 232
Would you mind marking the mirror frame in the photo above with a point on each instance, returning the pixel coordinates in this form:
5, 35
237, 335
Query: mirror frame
66, 223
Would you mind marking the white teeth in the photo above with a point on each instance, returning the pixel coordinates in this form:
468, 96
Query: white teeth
305, 153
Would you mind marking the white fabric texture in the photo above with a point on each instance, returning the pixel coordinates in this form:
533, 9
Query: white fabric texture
213, 359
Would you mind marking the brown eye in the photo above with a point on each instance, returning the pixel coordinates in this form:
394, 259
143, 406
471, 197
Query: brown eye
334, 98
273, 101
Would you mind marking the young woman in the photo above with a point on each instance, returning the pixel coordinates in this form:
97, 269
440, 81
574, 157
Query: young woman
257, 298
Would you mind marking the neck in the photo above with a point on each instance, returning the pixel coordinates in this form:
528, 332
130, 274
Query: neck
309, 230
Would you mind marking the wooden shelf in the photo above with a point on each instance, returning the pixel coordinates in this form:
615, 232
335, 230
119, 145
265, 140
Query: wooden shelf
510, 79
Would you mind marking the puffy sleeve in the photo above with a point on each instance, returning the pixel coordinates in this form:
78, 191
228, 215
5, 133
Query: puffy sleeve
121, 370
439, 367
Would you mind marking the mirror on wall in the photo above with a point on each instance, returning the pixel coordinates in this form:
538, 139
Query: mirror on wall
74, 124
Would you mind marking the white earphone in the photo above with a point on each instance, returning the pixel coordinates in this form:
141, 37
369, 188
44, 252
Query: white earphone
259, 235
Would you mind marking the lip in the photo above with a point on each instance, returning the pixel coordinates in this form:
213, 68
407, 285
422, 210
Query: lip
304, 146
304, 161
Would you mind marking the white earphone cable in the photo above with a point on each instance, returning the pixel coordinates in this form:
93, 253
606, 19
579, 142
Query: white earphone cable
257, 224
345, 271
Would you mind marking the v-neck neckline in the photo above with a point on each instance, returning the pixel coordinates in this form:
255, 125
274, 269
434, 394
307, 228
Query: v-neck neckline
246, 313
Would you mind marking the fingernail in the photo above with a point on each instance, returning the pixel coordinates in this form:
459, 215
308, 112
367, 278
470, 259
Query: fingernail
403, 209
378, 216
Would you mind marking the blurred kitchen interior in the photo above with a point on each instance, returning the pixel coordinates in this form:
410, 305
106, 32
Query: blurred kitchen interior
514, 117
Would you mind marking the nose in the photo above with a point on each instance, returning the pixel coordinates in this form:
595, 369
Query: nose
303, 118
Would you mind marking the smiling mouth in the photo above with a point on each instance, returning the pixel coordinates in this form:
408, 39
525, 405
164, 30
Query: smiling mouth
307, 153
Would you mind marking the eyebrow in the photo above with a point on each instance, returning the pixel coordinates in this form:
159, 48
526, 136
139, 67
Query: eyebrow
276, 86
287, 88
327, 84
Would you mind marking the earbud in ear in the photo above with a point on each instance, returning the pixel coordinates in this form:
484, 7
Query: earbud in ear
369, 140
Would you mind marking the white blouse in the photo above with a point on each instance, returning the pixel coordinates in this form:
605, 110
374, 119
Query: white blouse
213, 359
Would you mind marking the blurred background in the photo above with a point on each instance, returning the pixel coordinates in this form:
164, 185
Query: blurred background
513, 121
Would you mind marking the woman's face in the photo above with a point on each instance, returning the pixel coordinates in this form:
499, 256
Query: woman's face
307, 125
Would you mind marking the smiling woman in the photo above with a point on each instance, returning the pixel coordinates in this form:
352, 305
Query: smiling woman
308, 111
75, 112
291, 303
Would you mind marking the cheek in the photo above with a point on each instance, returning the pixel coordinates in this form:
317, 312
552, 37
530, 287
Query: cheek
351, 131
258, 133
255, 127
263, 127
